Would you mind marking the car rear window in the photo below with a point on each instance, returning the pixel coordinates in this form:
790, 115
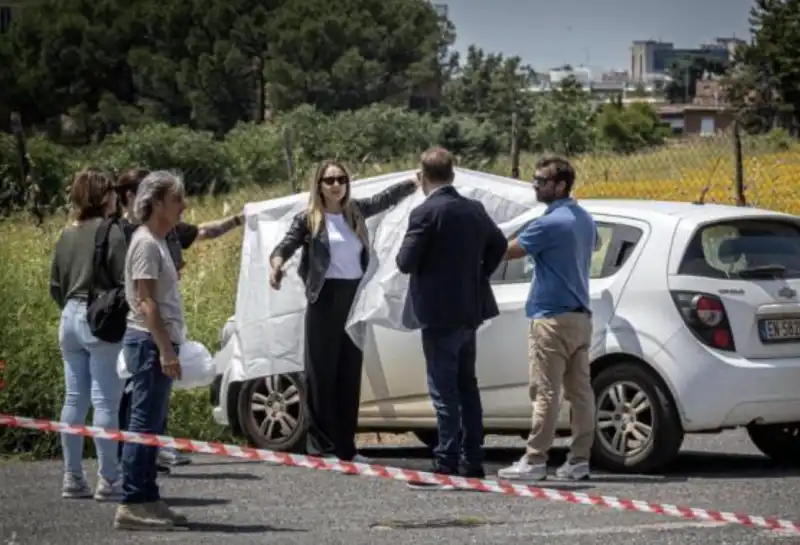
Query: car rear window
752, 249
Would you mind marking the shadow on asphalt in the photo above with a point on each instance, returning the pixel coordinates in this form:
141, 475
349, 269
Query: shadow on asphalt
237, 528
209, 461
195, 502
689, 464
224, 476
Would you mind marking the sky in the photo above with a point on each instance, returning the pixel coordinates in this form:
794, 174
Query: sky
548, 34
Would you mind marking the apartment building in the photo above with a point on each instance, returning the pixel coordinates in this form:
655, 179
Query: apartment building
654, 57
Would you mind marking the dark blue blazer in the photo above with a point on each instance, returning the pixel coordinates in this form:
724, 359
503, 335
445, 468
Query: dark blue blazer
450, 250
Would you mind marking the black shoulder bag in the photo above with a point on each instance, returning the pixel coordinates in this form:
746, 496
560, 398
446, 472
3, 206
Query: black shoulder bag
107, 309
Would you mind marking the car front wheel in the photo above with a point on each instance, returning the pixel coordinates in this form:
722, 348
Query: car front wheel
780, 442
637, 426
272, 412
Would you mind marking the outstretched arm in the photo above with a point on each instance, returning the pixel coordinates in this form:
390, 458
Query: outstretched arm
217, 228
386, 198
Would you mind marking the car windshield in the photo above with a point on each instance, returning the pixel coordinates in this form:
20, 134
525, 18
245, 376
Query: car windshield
749, 249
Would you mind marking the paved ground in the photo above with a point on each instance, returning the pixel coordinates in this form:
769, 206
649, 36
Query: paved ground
236, 502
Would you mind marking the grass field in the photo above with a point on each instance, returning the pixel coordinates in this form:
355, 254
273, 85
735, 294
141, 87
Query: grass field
29, 320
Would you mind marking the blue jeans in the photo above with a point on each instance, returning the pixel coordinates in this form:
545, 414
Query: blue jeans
148, 413
453, 387
90, 378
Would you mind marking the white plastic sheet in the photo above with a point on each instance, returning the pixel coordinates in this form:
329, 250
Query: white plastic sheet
197, 366
269, 337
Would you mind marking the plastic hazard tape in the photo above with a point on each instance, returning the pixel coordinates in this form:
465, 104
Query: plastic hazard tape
407, 475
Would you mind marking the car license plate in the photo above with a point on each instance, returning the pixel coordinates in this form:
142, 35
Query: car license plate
776, 330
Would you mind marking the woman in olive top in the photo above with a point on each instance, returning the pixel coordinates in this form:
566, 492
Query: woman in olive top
90, 370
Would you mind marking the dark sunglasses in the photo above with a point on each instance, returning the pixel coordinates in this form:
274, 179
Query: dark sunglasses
330, 180
539, 181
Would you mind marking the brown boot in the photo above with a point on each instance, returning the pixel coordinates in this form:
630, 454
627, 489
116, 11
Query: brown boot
141, 516
164, 511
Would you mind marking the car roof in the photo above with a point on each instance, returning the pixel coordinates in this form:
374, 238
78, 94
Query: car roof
677, 211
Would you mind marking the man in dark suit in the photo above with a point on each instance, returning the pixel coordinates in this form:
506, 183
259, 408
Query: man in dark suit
450, 249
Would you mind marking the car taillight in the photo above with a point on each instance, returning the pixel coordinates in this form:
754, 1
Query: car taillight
706, 318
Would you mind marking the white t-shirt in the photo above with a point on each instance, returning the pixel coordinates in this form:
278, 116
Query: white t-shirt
148, 258
345, 249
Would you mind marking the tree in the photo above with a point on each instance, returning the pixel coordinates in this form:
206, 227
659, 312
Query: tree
492, 87
765, 83
686, 72
627, 129
564, 121
204, 63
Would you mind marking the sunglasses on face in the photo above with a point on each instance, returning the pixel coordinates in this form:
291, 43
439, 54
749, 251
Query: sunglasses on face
539, 181
330, 180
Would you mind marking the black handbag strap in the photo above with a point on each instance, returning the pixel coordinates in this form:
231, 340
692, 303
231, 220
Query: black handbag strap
99, 258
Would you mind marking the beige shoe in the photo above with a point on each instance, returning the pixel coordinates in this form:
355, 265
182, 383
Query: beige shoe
141, 516
166, 512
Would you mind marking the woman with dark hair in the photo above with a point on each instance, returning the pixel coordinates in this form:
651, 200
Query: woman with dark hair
333, 234
90, 371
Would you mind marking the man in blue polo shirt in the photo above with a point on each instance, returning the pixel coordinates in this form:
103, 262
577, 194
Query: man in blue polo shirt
560, 243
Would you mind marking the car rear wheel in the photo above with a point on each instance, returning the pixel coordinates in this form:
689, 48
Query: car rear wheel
637, 425
780, 442
272, 412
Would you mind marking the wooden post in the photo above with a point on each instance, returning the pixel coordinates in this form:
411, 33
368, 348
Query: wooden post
514, 146
258, 77
739, 189
22, 147
287, 148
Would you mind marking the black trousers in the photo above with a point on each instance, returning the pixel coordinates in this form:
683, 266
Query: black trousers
333, 372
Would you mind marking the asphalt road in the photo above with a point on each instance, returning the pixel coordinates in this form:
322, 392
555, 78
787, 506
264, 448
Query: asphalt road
238, 502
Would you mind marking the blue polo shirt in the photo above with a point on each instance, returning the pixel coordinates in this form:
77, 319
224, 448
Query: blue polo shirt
560, 243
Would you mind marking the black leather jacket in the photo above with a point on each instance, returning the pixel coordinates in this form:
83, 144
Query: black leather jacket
316, 255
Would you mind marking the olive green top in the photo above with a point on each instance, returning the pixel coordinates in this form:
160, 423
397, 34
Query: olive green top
71, 271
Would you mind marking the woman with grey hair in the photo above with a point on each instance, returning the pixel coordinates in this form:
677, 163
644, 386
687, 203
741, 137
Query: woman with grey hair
180, 239
155, 331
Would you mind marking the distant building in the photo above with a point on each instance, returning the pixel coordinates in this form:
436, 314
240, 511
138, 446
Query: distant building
654, 57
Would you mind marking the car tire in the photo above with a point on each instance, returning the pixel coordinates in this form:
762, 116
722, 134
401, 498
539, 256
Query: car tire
779, 442
283, 398
664, 440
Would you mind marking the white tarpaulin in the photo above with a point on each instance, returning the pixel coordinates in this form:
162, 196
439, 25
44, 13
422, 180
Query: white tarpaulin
269, 324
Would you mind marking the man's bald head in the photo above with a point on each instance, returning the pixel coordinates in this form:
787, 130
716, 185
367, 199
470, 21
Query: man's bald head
437, 166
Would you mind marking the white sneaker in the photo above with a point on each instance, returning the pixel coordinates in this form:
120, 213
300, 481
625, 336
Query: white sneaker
574, 470
75, 486
359, 459
521, 470
172, 457
107, 490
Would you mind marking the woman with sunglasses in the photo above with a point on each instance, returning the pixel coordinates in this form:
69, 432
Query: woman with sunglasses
333, 234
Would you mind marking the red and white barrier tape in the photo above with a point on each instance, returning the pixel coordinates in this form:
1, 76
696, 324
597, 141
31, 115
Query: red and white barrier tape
408, 475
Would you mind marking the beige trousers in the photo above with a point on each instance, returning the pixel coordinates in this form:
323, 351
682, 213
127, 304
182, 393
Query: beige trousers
558, 350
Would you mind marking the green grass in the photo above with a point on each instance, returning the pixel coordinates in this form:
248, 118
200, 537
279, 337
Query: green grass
29, 320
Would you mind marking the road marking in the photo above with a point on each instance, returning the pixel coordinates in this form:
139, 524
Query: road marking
635, 529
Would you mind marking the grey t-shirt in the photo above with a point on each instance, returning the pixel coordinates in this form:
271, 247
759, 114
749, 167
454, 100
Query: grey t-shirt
149, 258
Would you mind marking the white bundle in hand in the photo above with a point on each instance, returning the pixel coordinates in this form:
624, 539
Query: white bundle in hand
197, 366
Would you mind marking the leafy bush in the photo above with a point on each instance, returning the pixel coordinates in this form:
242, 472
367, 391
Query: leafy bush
204, 162
53, 166
627, 129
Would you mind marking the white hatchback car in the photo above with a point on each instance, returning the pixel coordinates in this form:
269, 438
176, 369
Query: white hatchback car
696, 329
